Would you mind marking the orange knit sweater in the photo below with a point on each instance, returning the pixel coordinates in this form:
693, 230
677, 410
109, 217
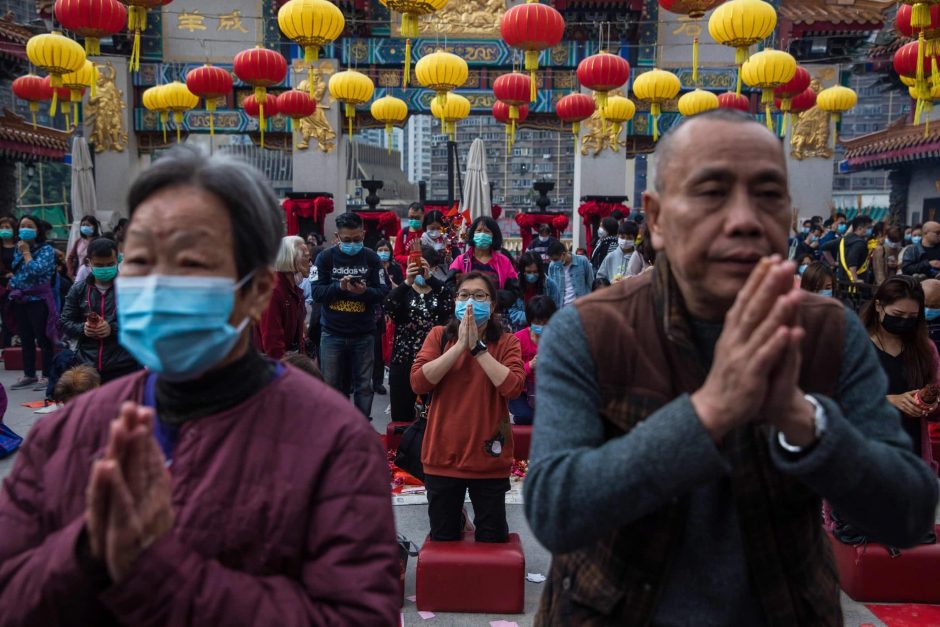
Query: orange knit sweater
468, 411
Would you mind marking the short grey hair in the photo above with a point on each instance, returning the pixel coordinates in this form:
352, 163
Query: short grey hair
665, 145
288, 253
257, 218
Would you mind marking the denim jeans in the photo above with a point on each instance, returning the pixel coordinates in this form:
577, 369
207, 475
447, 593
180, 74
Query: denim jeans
356, 353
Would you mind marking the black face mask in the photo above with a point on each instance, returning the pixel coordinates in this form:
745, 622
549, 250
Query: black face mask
897, 325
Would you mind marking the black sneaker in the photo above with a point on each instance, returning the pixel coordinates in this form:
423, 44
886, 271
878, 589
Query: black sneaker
380, 389
24, 382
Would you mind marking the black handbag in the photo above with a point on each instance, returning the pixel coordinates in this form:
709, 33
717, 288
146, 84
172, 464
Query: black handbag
408, 457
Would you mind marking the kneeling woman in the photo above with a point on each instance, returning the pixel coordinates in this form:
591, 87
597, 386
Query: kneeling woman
473, 369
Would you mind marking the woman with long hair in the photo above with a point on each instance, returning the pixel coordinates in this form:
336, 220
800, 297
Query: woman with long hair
472, 368
898, 329
534, 283
818, 278
484, 246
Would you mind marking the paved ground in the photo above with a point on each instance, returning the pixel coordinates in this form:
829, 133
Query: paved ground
412, 522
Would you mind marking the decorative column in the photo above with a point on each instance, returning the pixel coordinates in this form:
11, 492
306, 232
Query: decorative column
109, 128
321, 147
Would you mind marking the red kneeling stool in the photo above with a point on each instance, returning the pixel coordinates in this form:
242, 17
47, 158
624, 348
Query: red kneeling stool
521, 441
469, 576
393, 434
869, 574
13, 358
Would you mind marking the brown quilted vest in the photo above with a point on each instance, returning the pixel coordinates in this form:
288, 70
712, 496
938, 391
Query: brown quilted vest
641, 326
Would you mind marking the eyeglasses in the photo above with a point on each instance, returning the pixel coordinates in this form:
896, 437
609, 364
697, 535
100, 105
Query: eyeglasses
480, 297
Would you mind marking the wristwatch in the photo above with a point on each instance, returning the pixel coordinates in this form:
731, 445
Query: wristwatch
478, 348
819, 426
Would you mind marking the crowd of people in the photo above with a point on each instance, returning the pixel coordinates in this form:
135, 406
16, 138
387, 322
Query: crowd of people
689, 398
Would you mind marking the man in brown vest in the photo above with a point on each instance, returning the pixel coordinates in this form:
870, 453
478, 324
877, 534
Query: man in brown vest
691, 419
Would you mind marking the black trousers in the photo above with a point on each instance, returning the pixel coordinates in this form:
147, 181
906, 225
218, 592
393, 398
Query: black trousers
378, 364
445, 506
402, 396
31, 325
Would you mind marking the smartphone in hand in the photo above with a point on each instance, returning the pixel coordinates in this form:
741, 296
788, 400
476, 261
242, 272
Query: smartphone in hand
92, 319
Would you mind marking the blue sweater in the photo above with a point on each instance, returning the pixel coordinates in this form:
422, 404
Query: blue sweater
517, 311
37, 272
345, 313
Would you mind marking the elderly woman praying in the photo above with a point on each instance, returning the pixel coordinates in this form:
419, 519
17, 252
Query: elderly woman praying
197, 492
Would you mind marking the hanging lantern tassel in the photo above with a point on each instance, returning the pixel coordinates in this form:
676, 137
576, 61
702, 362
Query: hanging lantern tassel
210, 107
178, 122
507, 138
137, 22
920, 15
350, 114
55, 81
163, 120
695, 60
406, 74
513, 116
576, 131
740, 56
66, 110
388, 137
835, 118
784, 122
918, 110
311, 56
409, 30
532, 64
655, 110
34, 108
767, 99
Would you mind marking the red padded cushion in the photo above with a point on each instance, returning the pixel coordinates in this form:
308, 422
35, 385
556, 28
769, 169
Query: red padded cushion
521, 441
869, 574
392, 439
13, 358
469, 576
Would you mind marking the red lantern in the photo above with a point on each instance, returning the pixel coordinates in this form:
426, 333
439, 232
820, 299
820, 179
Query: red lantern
34, 90
928, 45
532, 27
91, 19
731, 100
261, 68
64, 97
513, 89
211, 83
695, 9
803, 101
574, 109
256, 109
786, 92
603, 72
903, 22
296, 104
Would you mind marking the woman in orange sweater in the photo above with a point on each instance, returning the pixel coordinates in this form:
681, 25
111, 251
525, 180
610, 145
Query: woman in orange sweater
473, 369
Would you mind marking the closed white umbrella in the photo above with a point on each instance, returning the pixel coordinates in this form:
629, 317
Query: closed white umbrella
84, 199
476, 189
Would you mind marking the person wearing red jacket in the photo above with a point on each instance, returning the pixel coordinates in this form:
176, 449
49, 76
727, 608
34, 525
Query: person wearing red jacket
282, 324
414, 232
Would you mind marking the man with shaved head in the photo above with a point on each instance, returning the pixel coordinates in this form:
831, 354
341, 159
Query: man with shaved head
924, 258
684, 485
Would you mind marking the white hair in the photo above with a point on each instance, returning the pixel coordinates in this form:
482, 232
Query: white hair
288, 253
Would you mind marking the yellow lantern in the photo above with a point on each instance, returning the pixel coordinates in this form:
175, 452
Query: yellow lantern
87, 77
741, 24
442, 72
390, 111
410, 11
177, 98
456, 108
311, 24
925, 95
767, 70
656, 87
697, 101
57, 55
351, 88
153, 101
836, 100
619, 111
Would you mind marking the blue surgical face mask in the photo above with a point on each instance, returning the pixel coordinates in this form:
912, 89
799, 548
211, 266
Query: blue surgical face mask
420, 280
6, 233
105, 274
350, 248
532, 277
482, 240
414, 224
841, 228
931, 314
907, 237
805, 230
802, 268
914, 240
481, 311
536, 328
86, 230
27, 234
178, 326
825, 293
385, 255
